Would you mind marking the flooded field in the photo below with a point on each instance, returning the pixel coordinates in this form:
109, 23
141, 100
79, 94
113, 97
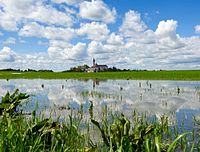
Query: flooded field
178, 99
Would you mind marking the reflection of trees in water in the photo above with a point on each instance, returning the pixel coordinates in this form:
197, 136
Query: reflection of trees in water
96, 82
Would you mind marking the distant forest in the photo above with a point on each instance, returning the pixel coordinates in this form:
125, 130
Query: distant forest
28, 70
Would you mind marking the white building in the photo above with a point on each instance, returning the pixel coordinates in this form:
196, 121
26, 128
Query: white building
97, 68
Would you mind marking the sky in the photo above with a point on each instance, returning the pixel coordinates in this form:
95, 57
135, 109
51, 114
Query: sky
131, 34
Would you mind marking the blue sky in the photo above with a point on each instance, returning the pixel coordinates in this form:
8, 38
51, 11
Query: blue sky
135, 34
184, 11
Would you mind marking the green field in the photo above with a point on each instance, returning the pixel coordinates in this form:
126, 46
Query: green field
134, 75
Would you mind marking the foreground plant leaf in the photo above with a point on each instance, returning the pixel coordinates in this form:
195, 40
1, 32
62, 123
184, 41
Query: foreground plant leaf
10, 102
105, 139
172, 145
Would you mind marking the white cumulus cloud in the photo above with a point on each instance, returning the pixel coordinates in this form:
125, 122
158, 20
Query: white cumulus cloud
7, 55
197, 29
95, 48
15, 12
67, 51
167, 28
167, 37
97, 10
69, 2
74, 31
115, 39
132, 24
94, 31
36, 30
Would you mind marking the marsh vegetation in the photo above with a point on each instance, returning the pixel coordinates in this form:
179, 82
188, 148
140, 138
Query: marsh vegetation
112, 132
74, 115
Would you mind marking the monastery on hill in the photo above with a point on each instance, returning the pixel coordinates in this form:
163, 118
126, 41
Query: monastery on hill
97, 68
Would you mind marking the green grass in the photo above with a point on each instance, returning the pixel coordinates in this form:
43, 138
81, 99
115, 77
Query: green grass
119, 133
115, 132
135, 75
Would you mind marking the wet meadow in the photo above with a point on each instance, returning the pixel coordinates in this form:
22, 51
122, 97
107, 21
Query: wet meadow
99, 115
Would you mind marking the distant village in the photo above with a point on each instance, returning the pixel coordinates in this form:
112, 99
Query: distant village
94, 68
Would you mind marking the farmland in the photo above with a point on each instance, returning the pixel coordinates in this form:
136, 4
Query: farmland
132, 75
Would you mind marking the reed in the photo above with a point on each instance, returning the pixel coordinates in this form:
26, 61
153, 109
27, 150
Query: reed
114, 132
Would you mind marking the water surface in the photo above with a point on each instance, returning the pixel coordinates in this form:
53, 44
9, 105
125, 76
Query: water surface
177, 99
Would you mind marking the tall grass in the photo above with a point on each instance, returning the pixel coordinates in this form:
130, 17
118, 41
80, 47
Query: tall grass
113, 132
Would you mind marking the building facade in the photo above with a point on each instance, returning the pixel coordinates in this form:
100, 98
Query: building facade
97, 68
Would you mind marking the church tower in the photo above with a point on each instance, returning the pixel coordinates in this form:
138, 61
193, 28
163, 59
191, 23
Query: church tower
94, 62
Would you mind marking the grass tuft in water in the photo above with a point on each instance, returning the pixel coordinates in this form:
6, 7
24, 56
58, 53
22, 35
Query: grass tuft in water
114, 132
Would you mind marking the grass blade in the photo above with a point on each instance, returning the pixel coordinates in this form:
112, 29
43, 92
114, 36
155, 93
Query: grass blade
172, 145
157, 144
